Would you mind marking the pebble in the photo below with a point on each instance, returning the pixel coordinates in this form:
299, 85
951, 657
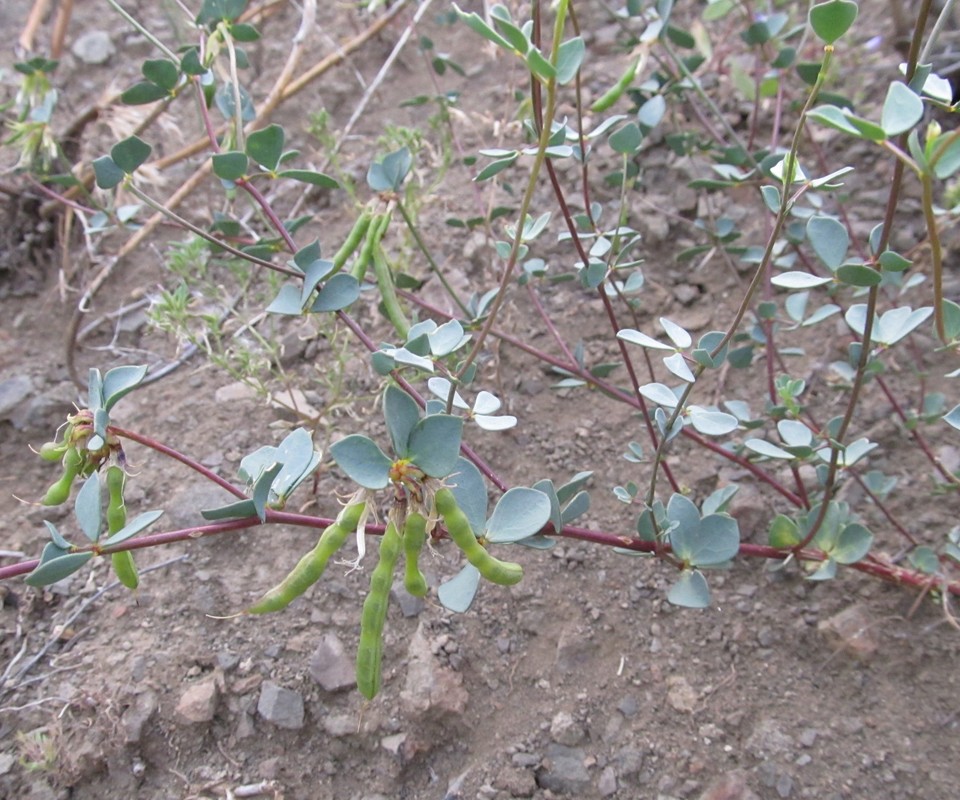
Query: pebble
729, 786
198, 703
851, 631
330, 666
340, 725
141, 709
410, 606
516, 782
94, 47
564, 771
681, 695
607, 784
280, 706
629, 706
768, 739
574, 649
565, 730
14, 393
430, 688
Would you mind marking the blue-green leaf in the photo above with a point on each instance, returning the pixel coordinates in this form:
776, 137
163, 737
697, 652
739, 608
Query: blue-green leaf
362, 461
569, 58
266, 146
833, 19
690, 591
402, 414
829, 239
434, 444
132, 528
902, 109
520, 513
337, 293
470, 492
88, 509
56, 569
119, 382
457, 593
853, 544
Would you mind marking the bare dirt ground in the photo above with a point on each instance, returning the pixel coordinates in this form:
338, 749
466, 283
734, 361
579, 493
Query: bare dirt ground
579, 682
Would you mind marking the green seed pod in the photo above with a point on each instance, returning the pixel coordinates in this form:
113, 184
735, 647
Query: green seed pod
614, 93
310, 568
353, 240
414, 535
374, 616
52, 451
123, 564
375, 230
504, 573
60, 491
116, 508
125, 568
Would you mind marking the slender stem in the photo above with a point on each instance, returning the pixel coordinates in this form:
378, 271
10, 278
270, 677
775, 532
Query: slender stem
159, 207
144, 31
435, 268
525, 203
176, 455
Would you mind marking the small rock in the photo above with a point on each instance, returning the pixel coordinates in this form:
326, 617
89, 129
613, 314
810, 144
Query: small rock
340, 725
629, 762
574, 649
808, 736
410, 606
142, 707
629, 706
14, 392
680, 694
233, 392
564, 771
608, 782
7, 760
393, 743
295, 402
94, 47
851, 631
198, 703
516, 782
565, 730
730, 786
280, 706
768, 739
430, 688
330, 666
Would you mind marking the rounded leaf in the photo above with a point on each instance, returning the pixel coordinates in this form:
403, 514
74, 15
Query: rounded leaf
520, 513
130, 153
853, 544
902, 109
401, 413
457, 593
362, 461
434, 444
691, 591
833, 19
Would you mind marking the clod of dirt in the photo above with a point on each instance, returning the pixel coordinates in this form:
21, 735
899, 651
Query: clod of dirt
140, 711
680, 694
851, 631
198, 703
729, 786
430, 689
94, 47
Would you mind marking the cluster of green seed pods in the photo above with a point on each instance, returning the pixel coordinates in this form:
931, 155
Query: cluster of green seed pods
311, 567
